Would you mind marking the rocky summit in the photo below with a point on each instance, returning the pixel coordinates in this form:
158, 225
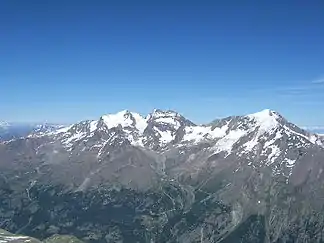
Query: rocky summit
162, 178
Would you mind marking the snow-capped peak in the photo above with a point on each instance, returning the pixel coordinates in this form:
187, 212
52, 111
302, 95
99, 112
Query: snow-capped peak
4, 124
125, 118
265, 115
264, 136
266, 119
162, 129
140, 122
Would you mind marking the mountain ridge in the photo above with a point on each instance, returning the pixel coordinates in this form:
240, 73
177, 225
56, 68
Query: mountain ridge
126, 119
14, 130
162, 178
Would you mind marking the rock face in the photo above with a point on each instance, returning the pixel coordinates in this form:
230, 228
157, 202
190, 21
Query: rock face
162, 178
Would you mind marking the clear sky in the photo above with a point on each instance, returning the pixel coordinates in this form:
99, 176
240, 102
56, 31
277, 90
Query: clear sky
64, 61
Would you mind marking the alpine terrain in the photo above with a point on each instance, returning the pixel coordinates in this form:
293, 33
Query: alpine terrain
162, 178
10, 130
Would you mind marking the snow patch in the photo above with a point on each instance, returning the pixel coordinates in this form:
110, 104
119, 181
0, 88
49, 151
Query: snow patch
73, 138
274, 154
124, 119
218, 132
249, 146
141, 122
62, 130
266, 120
312, 138
199, 133
277, 136
290, 162
120, 118
166, 136
93, 126
196, 133
226, 143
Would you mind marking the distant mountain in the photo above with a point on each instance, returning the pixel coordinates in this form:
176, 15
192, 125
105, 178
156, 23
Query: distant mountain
10, 131
4, 124
318, 130
163, 178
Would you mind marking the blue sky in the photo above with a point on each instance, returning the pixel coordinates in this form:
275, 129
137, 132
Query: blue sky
64, 61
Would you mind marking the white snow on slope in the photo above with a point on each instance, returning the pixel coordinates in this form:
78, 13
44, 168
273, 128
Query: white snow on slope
266, 119
275, 152
250, 145
74, 137
141, 122
276, 137
255, 125
120, 118
166, 136
199, 133
218, 132
62, 130
196, 133
93, 126
124, 119
226, 143
314, 139
290, 162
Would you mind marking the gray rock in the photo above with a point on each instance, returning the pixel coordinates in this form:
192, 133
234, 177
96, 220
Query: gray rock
255, 178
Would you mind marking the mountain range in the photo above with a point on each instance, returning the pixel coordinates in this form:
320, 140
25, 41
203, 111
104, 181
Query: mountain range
163, 178
12, 130
318, 130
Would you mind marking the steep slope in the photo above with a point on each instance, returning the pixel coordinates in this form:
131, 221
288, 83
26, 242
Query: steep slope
162, 178
261, 139
156, 131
